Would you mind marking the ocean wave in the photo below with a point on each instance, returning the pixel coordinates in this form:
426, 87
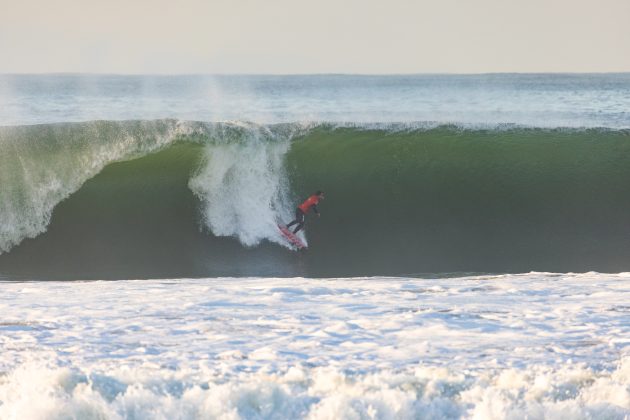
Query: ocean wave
403, 198
44, 164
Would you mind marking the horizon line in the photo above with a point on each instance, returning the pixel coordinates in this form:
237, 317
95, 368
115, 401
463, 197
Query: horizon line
73, 73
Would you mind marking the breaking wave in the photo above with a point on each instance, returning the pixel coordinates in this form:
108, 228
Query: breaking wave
107, 199
319, 393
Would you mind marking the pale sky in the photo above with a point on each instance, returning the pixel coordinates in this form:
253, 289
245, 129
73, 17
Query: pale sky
314, 36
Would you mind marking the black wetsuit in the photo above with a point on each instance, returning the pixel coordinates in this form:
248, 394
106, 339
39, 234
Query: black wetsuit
299, 218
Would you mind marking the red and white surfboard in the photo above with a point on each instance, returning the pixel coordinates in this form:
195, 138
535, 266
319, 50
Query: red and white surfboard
291, 237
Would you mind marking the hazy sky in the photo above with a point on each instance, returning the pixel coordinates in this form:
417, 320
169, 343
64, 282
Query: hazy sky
314, 36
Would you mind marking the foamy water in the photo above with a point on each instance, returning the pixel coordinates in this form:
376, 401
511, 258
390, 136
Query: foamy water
514, 346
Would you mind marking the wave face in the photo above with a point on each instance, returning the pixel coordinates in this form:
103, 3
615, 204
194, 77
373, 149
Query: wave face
167, 198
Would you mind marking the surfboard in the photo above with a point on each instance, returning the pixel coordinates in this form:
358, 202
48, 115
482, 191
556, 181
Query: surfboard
291, 237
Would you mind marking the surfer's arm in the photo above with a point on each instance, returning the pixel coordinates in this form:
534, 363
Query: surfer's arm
315, 209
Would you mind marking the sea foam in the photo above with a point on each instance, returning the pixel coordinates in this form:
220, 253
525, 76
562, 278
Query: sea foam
535, 345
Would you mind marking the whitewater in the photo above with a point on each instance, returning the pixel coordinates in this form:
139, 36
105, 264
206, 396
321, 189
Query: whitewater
538, 345
471, 261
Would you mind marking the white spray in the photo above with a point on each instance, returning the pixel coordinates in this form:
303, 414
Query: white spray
243, 185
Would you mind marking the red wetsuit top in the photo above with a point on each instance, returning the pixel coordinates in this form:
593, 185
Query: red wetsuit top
312, 201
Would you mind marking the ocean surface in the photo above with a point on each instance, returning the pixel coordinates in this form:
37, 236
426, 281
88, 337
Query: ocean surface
530, 346
118, 177
439, 281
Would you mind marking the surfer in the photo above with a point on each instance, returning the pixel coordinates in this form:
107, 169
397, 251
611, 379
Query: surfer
302, 209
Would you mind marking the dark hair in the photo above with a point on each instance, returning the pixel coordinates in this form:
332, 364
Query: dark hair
319, 192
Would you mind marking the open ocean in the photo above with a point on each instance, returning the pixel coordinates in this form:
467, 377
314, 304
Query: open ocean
441, 281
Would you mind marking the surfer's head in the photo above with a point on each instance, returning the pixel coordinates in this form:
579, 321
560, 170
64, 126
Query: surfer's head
319, 194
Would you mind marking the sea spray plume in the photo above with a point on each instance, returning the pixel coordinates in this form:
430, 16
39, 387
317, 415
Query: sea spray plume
243, 184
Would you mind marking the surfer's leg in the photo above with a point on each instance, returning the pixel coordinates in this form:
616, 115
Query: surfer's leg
300, 218
299, 227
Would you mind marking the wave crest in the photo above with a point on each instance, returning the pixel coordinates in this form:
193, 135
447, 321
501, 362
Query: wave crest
42, 165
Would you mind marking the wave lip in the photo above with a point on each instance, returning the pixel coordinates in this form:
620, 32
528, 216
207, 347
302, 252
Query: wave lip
43, 165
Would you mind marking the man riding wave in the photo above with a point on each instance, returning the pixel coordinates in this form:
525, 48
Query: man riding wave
302, 209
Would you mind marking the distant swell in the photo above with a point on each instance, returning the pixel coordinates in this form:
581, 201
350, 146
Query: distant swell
168, 198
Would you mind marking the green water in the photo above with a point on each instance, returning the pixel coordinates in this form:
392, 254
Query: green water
397, 203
